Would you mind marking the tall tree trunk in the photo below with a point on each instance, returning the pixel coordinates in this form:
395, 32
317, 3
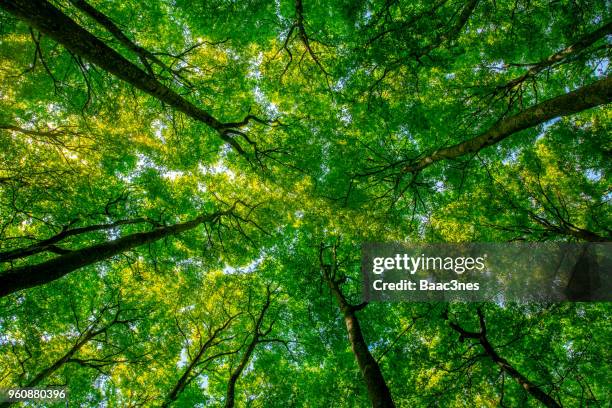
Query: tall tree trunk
527, 385
28, 276
595, 94
84, 338
378, 391
52, 22
61, 361
230, 394
186, 377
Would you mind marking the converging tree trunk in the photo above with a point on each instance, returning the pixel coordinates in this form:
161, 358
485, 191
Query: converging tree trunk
50, 244
96, 328
378, 391
52, 22
60, 362
258, 337
590, 96
191, 371
527, 385
144, 55
28, 276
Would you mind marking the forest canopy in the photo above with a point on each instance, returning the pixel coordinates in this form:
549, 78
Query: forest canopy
185, 187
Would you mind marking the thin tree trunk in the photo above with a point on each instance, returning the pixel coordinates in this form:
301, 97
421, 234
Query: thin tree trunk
92, 332
527, 385
558, 57
28, 276
595, 94
65, 358
186, 377
55, 366
188, 374
230, 395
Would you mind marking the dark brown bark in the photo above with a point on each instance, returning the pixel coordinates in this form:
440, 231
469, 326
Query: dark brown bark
587, 235
28, 276
378, 391
230, 395
144, 55
527, 385
65, 358
50, 21
49, 244
42, 133
595, 94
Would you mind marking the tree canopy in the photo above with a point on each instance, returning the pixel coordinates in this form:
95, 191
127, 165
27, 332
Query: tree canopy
185, 187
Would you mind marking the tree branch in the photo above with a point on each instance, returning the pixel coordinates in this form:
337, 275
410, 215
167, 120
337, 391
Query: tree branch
595, 94
481, 336
28, 276
561, 56
49, 20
